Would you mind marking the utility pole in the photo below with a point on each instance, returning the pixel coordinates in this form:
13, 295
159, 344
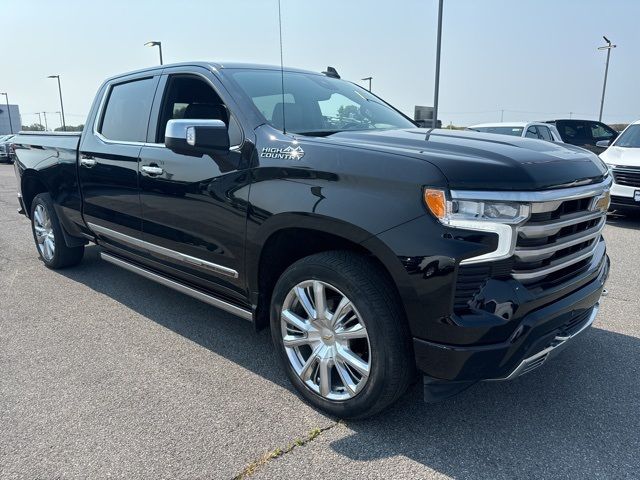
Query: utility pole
8, 111
46, 125
39, 119
437, 82
501, 115
608, 48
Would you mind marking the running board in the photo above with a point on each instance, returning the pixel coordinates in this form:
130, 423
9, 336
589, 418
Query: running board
192, 292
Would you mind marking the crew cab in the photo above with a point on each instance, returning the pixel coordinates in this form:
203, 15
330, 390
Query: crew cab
301, 202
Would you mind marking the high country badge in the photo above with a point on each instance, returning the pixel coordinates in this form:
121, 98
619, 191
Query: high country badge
288, 153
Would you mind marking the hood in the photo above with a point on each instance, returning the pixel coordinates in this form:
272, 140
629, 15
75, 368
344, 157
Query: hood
622, 156
480, 161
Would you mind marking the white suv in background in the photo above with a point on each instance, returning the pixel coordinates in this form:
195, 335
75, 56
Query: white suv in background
537, 130
623, 158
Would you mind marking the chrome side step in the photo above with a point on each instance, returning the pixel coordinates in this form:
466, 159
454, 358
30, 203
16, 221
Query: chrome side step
192, 292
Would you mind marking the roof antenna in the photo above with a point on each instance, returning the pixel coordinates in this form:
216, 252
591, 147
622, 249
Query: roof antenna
284, 128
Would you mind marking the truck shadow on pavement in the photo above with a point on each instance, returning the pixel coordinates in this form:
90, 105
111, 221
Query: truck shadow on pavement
577, 417
624, 220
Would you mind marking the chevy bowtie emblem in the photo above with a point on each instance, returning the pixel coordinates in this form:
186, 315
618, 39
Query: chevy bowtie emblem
288, 153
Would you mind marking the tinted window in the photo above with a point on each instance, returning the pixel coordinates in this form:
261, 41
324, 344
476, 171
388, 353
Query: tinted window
545, 133
601, 132
630, 138
532, 132
574, 131
191, 97
315, 104
127, 111
515, 131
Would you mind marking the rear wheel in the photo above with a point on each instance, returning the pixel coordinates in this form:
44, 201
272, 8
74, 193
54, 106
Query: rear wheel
48, 235
341, 334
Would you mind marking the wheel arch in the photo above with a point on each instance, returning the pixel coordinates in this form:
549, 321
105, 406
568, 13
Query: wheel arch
288, 237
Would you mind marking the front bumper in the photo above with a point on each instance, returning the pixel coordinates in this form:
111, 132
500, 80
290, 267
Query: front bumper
623, 197
540, 334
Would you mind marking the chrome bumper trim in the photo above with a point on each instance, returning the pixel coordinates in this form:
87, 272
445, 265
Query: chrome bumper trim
557, 345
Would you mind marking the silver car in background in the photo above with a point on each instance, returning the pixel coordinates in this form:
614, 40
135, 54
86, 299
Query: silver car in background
537, 130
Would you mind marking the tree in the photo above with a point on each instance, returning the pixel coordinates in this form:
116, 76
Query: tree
71, 128
34, 127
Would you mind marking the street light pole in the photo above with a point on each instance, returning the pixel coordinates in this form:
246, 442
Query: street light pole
46, 125
437, 83
64, 125
608, 48
8, 111
369, 79
155, 44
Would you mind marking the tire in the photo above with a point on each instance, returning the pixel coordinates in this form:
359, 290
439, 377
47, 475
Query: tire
48, 236
352, 391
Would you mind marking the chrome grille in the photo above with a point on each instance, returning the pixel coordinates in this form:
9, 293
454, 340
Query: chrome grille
560, 235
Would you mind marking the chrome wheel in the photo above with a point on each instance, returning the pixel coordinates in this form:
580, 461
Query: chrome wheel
44, 232
325, 340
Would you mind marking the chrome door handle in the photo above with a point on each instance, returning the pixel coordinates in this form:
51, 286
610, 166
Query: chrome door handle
88, 162
152, 170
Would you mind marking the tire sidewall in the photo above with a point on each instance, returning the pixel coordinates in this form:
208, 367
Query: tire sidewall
379, 355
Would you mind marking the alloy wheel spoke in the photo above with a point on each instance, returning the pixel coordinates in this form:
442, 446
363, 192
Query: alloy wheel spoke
38, 216
308, 367
305, 302
345, 376
352, 333
291, 341
320, 299
292, 319
324, 371
354, 361
341, 310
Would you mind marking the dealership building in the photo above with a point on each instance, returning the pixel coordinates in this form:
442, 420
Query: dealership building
9, 123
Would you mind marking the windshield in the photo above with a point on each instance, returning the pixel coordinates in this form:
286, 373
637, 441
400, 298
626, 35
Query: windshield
315, 104
515, 131
630, 138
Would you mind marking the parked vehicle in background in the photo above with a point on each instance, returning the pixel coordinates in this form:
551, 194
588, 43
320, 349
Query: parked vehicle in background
622, 156
5, 148
372, 249
584, 133
537, 130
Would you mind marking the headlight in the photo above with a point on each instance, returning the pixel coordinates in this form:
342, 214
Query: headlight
486, 216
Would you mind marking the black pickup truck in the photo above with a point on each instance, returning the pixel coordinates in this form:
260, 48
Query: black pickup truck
296, 200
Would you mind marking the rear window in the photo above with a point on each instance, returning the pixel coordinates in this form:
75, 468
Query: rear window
515, 131
126, 114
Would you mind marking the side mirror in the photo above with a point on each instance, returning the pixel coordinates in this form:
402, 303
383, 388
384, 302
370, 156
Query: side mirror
603, 143
196, 137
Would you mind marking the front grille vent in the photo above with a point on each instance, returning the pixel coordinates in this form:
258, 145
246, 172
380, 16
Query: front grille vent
627, 176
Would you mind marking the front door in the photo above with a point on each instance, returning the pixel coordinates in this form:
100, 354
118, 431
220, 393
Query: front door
194, 208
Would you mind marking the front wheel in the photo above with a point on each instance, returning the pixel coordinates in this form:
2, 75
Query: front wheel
47, 233
341, 334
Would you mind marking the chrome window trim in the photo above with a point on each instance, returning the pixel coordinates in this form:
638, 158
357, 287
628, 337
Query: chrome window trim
564, 194
152, 247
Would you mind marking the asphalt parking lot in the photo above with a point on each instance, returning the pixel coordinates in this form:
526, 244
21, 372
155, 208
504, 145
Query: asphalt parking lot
103, 373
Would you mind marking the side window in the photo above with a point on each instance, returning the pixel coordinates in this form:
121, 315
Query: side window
545, 133
532, 133
600, 132
126, 114
190, 97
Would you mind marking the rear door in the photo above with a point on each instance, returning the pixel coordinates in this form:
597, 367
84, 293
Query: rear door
109, 154
194, 208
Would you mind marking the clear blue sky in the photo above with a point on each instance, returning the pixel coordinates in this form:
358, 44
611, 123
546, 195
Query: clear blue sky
534, 59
